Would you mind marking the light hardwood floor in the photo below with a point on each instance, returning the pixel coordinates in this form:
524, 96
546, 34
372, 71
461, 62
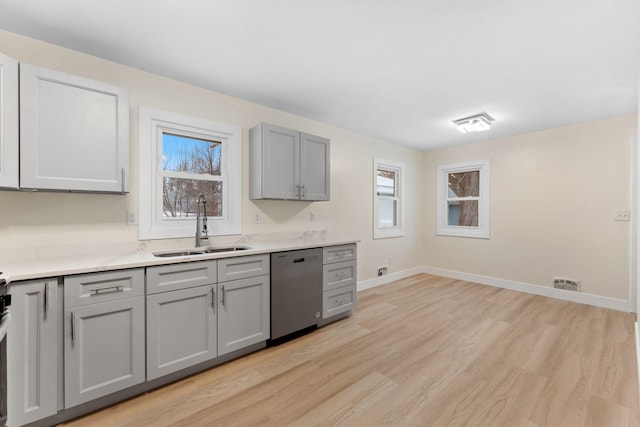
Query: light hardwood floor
423, 351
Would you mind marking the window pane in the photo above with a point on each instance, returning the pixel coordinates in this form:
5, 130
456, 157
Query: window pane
179, 197
464, 184
386, 183
192, 155
463, 213
387, 213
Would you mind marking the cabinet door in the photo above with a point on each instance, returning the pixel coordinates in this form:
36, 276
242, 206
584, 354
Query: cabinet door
280, 162
9, 142
32, 352
104, 349
74, 133
243, 313
181, 329
314, 167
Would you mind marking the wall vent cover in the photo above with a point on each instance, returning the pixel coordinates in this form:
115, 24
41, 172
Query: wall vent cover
566, 284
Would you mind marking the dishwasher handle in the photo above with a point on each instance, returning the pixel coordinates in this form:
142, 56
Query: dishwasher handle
298, 260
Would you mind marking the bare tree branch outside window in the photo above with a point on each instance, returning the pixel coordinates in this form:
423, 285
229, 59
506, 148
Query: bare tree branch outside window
200, 158
466, 184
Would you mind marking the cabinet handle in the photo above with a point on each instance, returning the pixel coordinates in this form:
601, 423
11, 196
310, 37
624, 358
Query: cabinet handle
341, 299
122, 172
303, 195
73, 326
213, 299
340, 254
224, 293
339, 275
107, 290
46, 298
298, 191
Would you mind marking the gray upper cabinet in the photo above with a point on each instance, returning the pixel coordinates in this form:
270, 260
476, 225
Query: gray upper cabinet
32, 352
74, 133
9, 124
287, 164
314, 167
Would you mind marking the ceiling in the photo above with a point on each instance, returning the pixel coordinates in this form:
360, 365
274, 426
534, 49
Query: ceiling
398, 71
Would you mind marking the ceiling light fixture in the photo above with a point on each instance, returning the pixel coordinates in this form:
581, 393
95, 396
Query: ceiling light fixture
476, 123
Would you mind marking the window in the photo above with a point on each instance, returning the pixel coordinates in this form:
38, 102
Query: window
180, 158
463, 199
387, 209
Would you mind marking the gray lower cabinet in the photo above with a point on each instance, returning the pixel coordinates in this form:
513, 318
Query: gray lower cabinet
243, 314
181, 329
104, 334
338, 280
93, 340
32, 352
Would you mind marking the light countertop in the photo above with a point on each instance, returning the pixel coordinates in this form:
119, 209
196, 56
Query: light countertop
86, 262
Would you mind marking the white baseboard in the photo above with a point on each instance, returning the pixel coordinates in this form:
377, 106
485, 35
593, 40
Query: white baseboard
590, 299
388, 278
638, 351
579, 297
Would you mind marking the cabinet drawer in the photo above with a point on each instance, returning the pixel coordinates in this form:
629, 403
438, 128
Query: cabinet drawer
338, 274
242, 267
338, 301
92, 288
180, 276
339, 253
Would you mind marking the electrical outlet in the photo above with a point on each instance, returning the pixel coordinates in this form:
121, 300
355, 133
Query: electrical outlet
621, 215
259, 219
382, 271
131, 218
313, 216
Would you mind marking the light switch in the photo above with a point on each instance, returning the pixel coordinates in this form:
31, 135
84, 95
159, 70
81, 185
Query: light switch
621, 215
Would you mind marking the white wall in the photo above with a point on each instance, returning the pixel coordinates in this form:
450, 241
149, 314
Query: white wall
553, 194
39, 219
553, 191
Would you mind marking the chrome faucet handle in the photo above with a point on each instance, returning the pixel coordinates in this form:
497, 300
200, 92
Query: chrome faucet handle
201, 231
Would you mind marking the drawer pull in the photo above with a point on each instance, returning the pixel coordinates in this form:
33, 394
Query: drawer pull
73, 326
340, 254
46, 298
341, 299
107, 290
339, 275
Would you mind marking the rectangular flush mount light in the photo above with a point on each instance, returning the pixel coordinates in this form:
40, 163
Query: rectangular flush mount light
476, 123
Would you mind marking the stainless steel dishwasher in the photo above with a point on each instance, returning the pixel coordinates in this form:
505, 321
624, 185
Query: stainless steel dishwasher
296, 291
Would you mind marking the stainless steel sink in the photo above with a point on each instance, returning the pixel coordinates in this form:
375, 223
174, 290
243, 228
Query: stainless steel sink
213, 250
201, 251
173, 254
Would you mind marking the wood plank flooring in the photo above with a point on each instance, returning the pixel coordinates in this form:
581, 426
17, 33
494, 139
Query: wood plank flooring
423, 351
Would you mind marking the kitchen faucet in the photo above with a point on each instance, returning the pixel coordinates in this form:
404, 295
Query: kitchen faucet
201, 226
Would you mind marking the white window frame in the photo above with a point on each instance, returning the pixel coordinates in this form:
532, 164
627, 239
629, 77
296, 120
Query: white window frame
398, 229
443, 228
153, 225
